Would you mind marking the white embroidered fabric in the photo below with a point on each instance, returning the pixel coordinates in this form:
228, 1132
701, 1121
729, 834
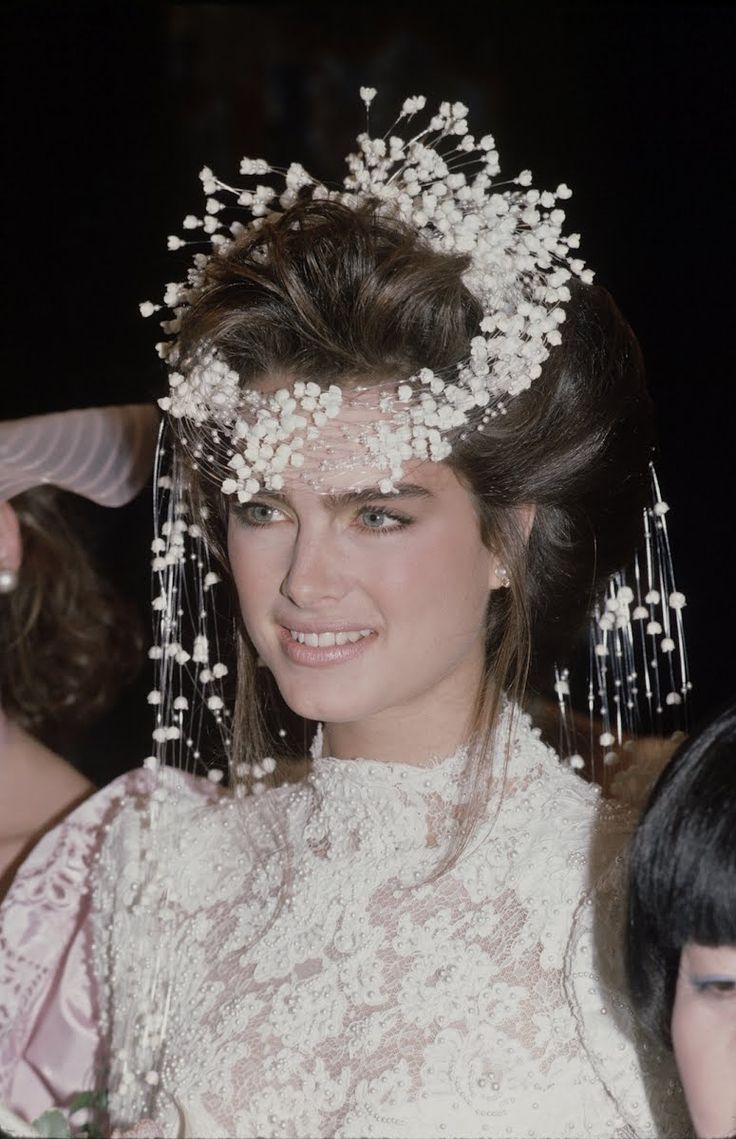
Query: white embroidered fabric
282, 966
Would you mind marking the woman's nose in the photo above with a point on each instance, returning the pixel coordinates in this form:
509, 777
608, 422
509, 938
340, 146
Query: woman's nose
316, 573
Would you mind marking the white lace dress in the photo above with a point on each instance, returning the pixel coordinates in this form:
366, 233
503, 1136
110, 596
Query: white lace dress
284, 966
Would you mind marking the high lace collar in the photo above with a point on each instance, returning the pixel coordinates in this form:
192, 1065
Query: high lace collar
443, 777
440, 773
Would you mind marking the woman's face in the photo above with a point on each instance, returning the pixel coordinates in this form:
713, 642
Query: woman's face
365, 605
704, 1036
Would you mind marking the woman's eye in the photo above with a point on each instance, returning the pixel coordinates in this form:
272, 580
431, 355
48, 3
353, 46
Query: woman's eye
257, 514
373, 518
718, 986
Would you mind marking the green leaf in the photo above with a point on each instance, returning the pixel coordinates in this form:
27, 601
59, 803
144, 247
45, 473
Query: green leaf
53, 1125
86, 1099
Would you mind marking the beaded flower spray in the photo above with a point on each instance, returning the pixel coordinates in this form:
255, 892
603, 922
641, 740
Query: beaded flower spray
444, 183
638, 676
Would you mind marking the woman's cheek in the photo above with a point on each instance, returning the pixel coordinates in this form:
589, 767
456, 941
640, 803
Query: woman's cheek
704, 1042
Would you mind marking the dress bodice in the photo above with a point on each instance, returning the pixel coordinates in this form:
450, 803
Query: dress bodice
291, 964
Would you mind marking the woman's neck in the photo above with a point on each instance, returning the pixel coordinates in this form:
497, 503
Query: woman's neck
413, 735
37, 787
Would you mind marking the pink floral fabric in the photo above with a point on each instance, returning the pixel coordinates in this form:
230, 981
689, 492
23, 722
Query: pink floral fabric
50, 1046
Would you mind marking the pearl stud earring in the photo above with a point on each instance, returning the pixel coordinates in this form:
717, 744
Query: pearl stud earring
8, 580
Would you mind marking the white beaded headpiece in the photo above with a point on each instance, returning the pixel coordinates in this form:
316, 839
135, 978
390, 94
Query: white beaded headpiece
444, 183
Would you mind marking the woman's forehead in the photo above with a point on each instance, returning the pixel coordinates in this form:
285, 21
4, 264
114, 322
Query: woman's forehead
339, 458
341, 451
261, 436
360, 481
711, 957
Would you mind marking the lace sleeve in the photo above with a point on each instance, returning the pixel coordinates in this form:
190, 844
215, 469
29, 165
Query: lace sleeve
50, 1045
134, 925
641, 1081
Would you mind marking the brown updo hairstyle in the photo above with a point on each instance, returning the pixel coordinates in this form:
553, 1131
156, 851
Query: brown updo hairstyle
68, 642
332, 293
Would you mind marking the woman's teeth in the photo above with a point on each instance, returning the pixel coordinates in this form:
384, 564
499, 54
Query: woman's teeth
327, 640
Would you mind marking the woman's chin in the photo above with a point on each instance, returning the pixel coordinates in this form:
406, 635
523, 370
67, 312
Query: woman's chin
324, 711
325, 707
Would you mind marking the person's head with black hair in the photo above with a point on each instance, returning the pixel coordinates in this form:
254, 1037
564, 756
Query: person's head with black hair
681, 937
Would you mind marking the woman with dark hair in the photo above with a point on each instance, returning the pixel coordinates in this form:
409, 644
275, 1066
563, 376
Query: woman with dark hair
39, 627
68, 642
681, 943
415, 439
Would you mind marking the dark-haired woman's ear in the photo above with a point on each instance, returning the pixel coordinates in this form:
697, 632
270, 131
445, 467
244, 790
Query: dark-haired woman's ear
11, 548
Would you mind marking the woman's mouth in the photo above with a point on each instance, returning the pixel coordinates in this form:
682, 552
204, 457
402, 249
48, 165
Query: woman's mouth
316, 647
327, 640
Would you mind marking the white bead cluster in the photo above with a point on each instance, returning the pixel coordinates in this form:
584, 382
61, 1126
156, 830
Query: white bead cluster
639, 658
638, 680
178, 551
441, 181
618, 614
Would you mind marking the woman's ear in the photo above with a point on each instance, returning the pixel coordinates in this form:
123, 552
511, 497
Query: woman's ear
499, 578
11, 545
526, 515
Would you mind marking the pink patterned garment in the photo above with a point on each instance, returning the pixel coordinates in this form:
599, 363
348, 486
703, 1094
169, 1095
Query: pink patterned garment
49, 1046
50, 1043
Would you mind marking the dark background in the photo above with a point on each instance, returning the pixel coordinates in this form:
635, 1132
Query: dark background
112, 109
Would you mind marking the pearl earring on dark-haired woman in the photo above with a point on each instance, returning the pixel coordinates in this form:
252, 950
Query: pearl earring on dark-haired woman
8, 580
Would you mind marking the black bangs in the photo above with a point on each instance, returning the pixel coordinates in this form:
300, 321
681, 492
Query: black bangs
702, 878
682, 878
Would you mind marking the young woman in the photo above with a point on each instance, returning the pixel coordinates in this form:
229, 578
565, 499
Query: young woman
416, 483
681, 945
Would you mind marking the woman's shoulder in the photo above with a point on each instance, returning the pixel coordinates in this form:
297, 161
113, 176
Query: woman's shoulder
564, 841
572, 875
55, 877
47, 908
55, 870
37, 789
44, 935
171, 841
562, 800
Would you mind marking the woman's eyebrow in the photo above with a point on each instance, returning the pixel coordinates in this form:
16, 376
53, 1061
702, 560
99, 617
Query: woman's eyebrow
371, 493
358, 497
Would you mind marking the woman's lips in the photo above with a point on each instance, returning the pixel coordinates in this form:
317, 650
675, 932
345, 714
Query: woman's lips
318, 648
